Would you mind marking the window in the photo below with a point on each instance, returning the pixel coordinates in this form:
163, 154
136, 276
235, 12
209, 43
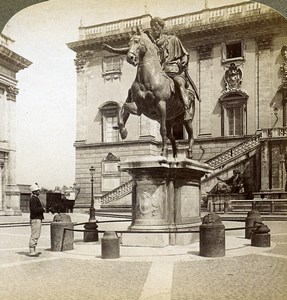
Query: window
232, 51
109, 112
233, 113
111, 67
110, 134
235, 121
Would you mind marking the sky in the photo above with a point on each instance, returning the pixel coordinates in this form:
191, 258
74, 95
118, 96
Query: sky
46, 103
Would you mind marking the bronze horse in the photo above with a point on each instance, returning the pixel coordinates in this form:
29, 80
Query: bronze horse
153, 94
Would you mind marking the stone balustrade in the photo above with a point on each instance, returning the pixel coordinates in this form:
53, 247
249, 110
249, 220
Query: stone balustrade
5, 40
117, 193
204, 17
119, 26
234, 152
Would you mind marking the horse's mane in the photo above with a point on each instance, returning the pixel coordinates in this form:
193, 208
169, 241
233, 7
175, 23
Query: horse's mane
149, 41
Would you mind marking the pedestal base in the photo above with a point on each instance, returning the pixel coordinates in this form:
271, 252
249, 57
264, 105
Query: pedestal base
166, 196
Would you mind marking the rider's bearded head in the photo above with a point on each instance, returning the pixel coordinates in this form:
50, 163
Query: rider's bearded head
157, 25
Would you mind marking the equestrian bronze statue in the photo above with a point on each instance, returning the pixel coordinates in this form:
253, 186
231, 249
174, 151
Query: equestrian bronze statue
162, 89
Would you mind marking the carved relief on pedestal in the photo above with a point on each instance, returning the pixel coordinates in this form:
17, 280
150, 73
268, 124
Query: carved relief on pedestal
12, 92
150, 201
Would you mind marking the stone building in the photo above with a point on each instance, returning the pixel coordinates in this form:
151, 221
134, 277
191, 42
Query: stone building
237, 65
10, 64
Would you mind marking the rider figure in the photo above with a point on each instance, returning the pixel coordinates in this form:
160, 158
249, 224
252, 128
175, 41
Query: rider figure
173, 58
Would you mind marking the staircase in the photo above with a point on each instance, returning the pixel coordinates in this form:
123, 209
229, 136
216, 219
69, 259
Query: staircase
115, 195
221, 160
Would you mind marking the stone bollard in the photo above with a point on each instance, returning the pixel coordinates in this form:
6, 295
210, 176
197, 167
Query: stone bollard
261, 237
93, 235
110, 245
212, 236
60, 240
253, 217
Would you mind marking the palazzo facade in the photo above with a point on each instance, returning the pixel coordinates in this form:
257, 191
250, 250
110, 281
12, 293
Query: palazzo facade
235, 60
10, 64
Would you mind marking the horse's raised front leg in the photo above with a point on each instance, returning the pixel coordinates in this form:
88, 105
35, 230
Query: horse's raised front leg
122, 119
162, 120
123, 116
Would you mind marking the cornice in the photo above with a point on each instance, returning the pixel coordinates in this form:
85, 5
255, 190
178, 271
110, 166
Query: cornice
207, 33
13, 60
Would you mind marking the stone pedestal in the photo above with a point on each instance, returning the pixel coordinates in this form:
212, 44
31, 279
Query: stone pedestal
166, 196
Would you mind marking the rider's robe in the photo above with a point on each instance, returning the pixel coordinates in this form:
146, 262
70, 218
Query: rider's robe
171, 52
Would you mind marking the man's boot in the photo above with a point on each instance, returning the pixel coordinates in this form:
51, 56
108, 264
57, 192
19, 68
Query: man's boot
37, 253
32, 251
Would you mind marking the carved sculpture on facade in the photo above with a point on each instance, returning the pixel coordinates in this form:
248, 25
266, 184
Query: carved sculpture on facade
233, 78
81, 59
12, 92
234, 184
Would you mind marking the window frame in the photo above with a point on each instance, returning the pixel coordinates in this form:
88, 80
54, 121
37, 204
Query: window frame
233, 100
114, 72
108, 110
225, 59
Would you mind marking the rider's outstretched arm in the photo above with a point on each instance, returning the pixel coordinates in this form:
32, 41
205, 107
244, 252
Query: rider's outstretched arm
109, 48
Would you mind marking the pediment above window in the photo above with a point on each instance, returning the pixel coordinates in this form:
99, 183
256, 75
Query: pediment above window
109, 108
233, 98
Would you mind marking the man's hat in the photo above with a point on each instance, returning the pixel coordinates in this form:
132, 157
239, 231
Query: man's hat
34, 187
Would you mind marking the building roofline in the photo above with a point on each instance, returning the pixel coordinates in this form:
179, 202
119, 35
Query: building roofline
13, 60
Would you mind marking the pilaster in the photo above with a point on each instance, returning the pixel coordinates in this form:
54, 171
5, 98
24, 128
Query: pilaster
264, 80
81, 63
205, 65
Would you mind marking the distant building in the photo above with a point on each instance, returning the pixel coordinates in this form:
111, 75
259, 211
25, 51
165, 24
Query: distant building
10, 64
235, 61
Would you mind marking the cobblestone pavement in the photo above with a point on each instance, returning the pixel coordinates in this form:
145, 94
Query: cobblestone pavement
170, 273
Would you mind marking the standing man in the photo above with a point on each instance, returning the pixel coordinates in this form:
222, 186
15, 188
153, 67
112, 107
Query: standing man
36, 217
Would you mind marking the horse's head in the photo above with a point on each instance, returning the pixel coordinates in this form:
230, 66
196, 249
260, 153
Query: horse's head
137, 49
138, 46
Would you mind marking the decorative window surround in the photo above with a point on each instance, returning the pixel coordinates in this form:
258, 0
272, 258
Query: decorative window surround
109, 112
112, 67
233, 51
233, 113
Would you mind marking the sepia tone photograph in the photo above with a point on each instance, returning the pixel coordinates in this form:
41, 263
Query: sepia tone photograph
143, 149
